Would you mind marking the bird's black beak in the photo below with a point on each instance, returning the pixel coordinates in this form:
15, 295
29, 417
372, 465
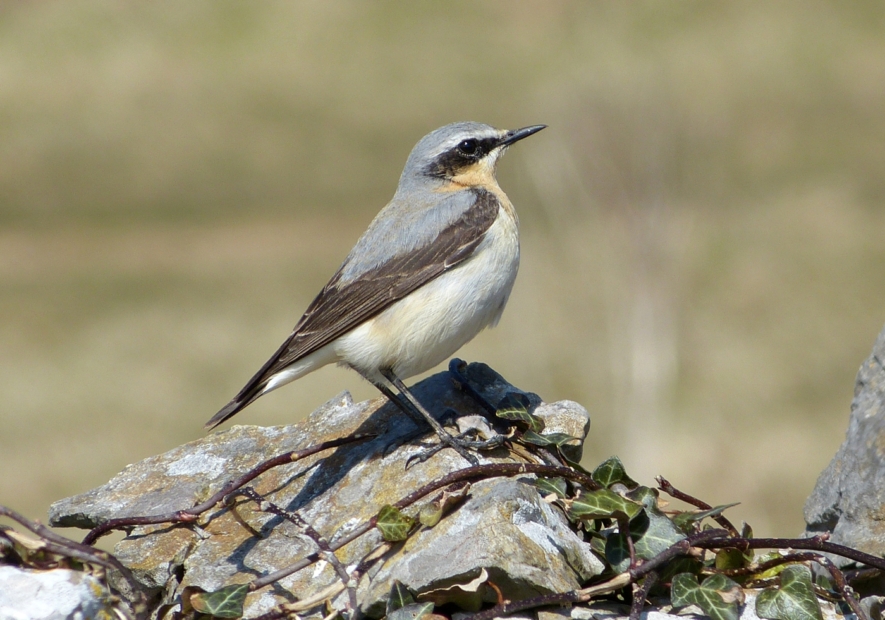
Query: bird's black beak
515, 135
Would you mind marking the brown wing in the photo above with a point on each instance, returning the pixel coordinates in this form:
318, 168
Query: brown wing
339, 308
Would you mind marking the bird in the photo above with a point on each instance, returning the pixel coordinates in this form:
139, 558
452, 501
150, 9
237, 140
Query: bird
434, 268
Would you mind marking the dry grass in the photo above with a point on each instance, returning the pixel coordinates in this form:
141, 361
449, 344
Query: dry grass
703, 226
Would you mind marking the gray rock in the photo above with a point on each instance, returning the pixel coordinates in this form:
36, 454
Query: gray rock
662, 610
503, 526
58, 594
849, 495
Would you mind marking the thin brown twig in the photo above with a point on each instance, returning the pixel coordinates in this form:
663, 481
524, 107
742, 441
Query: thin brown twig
624, 527
512, 607
842, 584
641, 594
709, 539
682, 547
665, 486
54, 543
769, 564
189, 515
861, 574
632, 575
480, 471
815, 543
325, 551
838, 576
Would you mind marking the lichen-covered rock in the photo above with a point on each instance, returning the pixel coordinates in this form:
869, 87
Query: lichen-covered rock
849, 496
503, 526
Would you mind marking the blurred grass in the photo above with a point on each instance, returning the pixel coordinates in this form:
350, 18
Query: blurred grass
703, 223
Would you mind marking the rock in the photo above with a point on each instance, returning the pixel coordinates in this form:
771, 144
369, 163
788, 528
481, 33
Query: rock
503, 526
849, 495
662, 610
58, 594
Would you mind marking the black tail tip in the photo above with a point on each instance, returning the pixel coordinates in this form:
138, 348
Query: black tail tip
229, 410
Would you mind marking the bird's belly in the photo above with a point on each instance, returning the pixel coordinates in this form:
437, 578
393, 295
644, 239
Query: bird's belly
431, 323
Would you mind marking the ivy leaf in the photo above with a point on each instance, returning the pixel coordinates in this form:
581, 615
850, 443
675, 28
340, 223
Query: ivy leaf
597, 544
432, 512
413, 611
651, 533
557, 440
611, 471
793, 600
718, 596
393, 524
727, 559
731, 559
566, 445
399, 597
226, 602
601, 504
552, 486
658, 536
686, 520
772, 572
646, 496
684, 564
515, 407
468, 596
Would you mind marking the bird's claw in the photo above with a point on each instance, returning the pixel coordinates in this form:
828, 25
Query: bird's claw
462, 446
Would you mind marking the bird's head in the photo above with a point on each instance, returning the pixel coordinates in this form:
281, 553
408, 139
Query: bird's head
461, 154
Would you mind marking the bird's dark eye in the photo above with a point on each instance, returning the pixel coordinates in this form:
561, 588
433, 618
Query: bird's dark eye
469, 147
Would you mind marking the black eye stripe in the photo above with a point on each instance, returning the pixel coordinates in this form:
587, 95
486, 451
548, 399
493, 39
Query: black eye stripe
476, 147
465, 153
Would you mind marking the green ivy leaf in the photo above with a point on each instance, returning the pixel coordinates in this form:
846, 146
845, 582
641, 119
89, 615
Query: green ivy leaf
399, 597
414, 611
732, 559
601, 504
686, 520
393, 524
646, 496
515, 407
612, 471
431, 513
226, 602
556, 440
684, 564
658, 536
556, 486
793, 600
651, 531
597, 544
718, 596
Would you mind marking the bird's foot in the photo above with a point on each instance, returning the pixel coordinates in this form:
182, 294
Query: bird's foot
460, 444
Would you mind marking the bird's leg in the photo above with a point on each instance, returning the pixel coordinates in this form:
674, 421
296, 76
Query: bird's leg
417, 418
458, 445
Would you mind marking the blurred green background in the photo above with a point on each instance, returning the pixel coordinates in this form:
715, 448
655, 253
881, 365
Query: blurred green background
702, 221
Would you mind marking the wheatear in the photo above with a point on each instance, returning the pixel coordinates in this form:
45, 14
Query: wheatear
435, 268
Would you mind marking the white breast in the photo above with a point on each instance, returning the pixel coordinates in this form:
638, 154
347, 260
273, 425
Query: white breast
431, 323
